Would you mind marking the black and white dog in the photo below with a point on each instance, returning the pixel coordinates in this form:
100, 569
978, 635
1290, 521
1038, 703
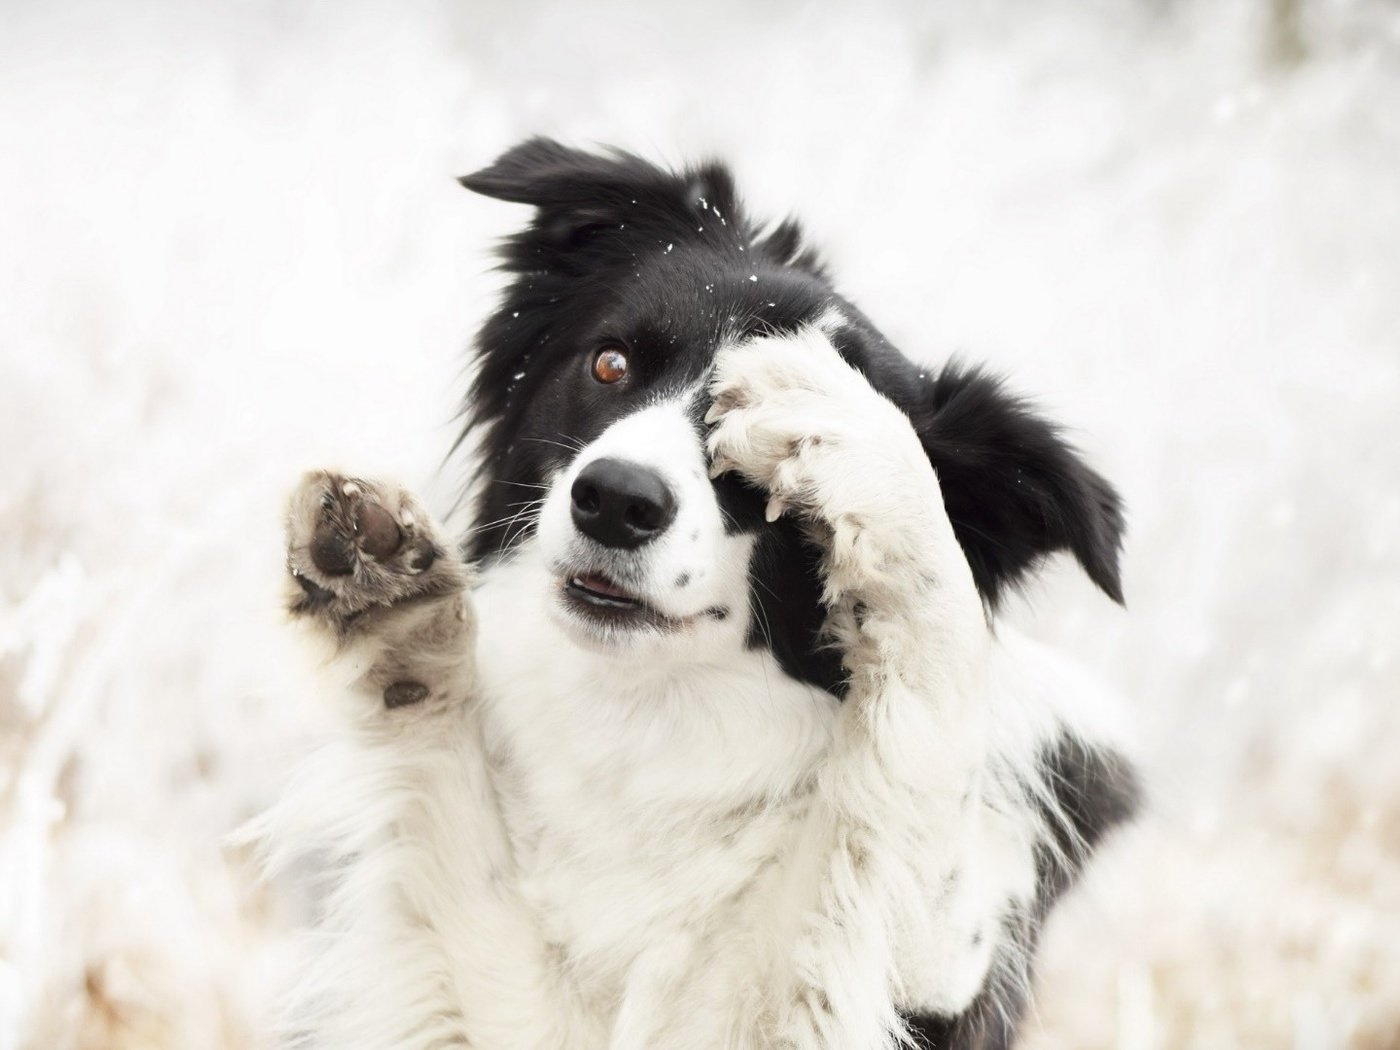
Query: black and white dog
717, 745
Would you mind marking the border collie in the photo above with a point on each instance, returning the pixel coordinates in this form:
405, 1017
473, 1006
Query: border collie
706, 736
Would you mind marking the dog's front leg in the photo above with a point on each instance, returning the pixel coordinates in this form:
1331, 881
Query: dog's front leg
894, 817
423, 941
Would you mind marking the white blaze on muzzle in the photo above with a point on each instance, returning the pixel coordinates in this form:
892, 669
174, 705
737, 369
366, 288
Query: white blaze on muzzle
636, 507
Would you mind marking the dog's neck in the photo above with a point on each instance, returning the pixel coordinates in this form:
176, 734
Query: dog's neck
729, 726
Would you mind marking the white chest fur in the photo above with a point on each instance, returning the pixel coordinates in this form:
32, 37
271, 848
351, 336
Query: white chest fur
636, 803
666, 843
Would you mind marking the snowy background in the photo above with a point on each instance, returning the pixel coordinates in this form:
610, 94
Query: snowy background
231, 248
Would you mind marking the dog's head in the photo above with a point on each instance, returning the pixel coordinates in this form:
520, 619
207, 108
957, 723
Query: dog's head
590, 395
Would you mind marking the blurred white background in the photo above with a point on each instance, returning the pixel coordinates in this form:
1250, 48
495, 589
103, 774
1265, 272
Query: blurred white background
231, 248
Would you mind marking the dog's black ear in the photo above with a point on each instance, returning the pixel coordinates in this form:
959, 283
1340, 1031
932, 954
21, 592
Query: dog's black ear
544, 172
582, 195
523, 171
1015, 490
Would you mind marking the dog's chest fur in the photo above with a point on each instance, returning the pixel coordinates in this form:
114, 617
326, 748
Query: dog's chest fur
640, 799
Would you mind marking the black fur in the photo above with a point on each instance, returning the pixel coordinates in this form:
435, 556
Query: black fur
1095, 791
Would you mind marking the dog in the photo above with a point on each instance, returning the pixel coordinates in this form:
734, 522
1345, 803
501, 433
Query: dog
706, 735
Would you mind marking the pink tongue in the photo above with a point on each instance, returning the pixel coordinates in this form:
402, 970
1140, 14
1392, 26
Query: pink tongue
603, 585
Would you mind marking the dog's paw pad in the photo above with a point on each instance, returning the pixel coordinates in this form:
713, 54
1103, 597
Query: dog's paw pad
372, 531
354, 543
405, 694
332, 551
376, 531
316, 595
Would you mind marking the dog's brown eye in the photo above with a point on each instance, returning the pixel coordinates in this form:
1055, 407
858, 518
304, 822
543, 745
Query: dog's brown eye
610, 365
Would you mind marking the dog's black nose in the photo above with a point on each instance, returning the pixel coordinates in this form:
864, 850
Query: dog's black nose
621, 504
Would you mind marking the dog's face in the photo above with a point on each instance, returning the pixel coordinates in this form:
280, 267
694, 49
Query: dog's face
592, 390
634, 536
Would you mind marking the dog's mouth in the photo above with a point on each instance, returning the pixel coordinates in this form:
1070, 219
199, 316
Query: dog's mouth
597, 589
603, 602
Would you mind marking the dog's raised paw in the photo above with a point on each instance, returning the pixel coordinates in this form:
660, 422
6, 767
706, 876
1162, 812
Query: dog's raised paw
354, 544
792, 417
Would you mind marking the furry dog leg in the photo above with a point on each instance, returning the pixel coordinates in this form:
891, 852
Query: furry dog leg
893, 827
422, 940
